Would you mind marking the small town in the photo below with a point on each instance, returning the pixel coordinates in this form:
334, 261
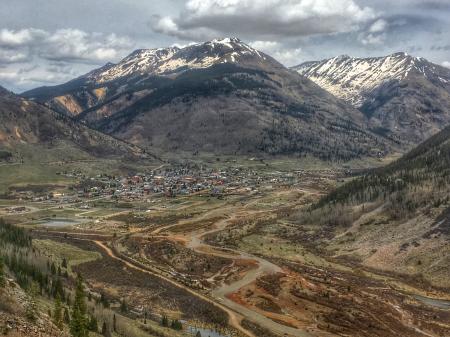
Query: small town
172, 182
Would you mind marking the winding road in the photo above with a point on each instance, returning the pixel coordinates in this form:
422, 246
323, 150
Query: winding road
234, 318
221, 293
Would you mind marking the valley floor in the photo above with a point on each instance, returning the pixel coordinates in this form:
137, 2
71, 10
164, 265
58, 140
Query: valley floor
210, 257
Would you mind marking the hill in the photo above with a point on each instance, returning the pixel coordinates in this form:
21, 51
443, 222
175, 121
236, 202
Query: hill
395, 218
26, 124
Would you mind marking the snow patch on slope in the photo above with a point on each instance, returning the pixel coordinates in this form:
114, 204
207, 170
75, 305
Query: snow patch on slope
169, 60
352, 79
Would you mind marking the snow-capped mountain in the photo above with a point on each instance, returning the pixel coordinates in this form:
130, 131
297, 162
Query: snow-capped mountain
401, 94
164, 61
144, 65
354, 79
219, 96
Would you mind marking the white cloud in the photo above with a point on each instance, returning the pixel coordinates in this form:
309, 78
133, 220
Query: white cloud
166, 25
74, 44
15, 38
378, 26
372, 39
294, 18
12, 56
63, 44
31, 57
375, 34
287, 56
446, 64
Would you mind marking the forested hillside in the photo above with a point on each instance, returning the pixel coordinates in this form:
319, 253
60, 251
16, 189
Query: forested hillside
395, 218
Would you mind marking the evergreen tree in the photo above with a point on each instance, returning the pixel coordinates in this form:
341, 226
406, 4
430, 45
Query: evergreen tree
165, 321
93, 325
105, 330
58, 313
79, 322
66, 316
123, 306
31, 307
114, 322
104, 301
198, 334
176, 325
2, 274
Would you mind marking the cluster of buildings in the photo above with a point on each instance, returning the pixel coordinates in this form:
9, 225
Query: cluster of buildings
171, 182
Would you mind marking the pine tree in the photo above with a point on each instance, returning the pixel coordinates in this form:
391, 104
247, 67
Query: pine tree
79, 322
58, 313
2, 274
176, 325
123, 306
104, 301
198, 334
93, 325
165, 321
31, 307
66, 316
114, 323
105, 330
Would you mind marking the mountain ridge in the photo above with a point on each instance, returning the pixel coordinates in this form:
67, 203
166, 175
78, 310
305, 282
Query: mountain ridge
406, 96
250, 103
25, 122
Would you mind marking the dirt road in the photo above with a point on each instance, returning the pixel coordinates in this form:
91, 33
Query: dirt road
234, 318
264, 267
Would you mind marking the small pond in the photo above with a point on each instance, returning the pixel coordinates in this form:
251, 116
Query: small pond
58, 222
204, 332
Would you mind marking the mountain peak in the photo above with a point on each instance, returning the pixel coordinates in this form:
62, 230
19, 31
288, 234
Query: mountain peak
159, 61
226, 40
352, 79
342, 57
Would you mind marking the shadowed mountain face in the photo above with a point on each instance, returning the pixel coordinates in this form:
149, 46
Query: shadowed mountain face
23, 122
219, 97
404, 96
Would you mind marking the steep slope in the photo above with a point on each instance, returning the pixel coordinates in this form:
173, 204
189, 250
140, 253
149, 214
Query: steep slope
221, 97
13, 315
406, 96
395, 218
87, 90
24, 123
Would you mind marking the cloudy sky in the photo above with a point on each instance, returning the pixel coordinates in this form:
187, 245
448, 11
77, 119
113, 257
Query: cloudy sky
46, 42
